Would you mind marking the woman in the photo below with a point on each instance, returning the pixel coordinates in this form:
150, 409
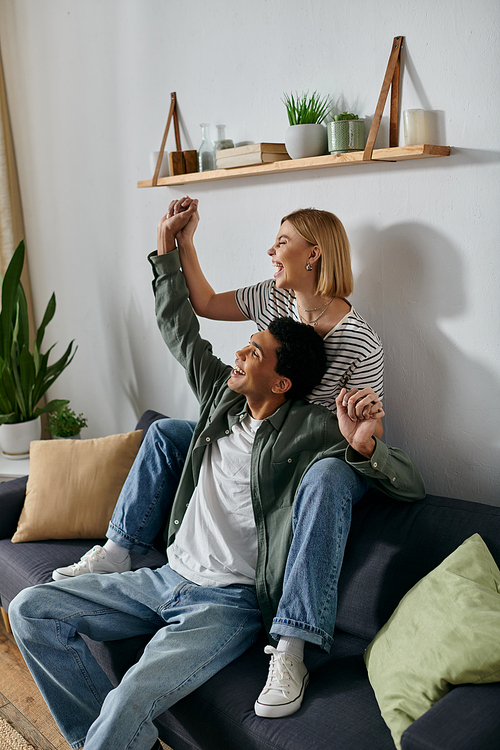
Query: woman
311, 280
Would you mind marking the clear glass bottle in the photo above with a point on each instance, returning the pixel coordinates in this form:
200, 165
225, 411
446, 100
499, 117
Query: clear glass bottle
206, 152
222, 142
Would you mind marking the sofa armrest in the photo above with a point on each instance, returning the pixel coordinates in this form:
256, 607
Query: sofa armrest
467, 717
12, 494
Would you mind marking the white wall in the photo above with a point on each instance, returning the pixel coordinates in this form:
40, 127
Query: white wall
89, 86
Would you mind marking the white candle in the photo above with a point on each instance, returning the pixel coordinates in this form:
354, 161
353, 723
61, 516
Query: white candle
416, 126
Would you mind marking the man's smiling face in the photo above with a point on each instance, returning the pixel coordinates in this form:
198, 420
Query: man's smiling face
254, 374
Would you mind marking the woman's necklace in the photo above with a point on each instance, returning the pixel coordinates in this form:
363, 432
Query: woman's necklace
312, 309
315, 321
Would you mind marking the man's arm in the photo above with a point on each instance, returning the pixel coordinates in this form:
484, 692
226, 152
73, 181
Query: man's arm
180, 328
389, 469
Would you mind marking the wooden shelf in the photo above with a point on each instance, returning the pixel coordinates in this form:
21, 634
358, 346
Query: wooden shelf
400, 153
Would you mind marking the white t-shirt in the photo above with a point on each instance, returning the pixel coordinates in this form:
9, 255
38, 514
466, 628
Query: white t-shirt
216, 544
354, 352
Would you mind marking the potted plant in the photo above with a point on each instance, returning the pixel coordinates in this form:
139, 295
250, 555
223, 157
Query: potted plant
346, 133
306, 135
66, 424
25, 373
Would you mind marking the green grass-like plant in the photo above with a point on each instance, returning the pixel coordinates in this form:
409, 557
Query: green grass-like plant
303, 109
66, 423
25, 373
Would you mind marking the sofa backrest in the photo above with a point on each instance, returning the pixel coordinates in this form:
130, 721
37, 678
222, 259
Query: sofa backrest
392, 545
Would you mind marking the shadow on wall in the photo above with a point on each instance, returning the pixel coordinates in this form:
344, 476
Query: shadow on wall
439, 402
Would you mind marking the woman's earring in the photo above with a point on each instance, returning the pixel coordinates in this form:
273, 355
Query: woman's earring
309, 267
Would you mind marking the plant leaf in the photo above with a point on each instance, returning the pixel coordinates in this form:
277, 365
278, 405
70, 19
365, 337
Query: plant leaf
27, 376
48, 315
10, 285
23, 335
55, 405
52, 373
304, 109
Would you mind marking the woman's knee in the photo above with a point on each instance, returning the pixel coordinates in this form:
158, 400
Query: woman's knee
176, 432
327, 483
330, 472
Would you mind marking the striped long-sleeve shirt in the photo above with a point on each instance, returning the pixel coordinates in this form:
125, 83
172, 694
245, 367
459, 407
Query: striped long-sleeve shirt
354, 352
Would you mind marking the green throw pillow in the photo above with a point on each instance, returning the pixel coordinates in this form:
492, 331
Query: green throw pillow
444, 632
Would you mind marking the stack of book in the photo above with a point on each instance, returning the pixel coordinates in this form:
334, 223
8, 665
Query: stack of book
254, 153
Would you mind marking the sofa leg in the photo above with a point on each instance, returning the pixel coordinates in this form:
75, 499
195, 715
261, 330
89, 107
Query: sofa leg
5, 618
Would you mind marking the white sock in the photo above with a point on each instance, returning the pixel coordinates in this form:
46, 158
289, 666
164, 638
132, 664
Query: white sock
115, 553
293, 646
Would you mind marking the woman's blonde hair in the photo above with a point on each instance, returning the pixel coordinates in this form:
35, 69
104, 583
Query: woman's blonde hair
322, 228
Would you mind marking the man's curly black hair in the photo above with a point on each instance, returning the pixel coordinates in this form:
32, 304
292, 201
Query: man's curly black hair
301, 355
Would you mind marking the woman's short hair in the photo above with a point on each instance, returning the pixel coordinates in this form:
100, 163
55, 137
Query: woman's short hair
300, 355
322, 228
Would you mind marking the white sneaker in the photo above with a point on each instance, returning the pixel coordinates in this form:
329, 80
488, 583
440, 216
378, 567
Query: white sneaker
96, 560
284, 690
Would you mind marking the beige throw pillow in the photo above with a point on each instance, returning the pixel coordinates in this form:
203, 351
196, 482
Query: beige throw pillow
73, 486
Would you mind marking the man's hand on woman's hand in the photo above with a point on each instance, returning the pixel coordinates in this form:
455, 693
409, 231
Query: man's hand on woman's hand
178, 224
358, 413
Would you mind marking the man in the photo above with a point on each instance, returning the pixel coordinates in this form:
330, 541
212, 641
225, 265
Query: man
230, 532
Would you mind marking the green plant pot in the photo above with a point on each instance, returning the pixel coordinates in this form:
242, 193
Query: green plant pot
345, 136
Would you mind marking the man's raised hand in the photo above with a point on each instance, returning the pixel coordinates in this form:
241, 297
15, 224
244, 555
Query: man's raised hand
178, 224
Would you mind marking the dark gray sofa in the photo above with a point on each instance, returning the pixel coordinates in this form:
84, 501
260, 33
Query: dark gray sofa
391, 546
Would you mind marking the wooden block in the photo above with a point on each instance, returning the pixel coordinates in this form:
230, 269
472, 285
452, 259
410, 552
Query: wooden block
190, 161
176, 162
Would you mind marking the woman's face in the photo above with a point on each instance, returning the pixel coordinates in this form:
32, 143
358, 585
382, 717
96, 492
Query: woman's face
290, 255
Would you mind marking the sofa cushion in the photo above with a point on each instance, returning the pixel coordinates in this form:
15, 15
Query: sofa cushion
392, 545
74, 485
444, 632
339, 708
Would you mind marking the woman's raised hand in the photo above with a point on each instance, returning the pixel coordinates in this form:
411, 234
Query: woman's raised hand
179, 224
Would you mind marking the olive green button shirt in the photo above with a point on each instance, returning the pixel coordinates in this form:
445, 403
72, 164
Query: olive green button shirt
286, 444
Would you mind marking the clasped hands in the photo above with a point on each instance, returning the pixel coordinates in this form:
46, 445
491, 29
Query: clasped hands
358, 412
178, 224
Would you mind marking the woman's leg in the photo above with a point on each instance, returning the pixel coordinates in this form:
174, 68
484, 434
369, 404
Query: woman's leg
321, 523
144, 501
149, 489
308, 606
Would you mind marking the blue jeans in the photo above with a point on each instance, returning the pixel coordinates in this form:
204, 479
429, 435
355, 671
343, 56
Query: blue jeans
321, 522
196, 632
206, 628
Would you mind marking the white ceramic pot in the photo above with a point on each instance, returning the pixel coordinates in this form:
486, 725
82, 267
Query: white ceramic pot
302, 141
15, 438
